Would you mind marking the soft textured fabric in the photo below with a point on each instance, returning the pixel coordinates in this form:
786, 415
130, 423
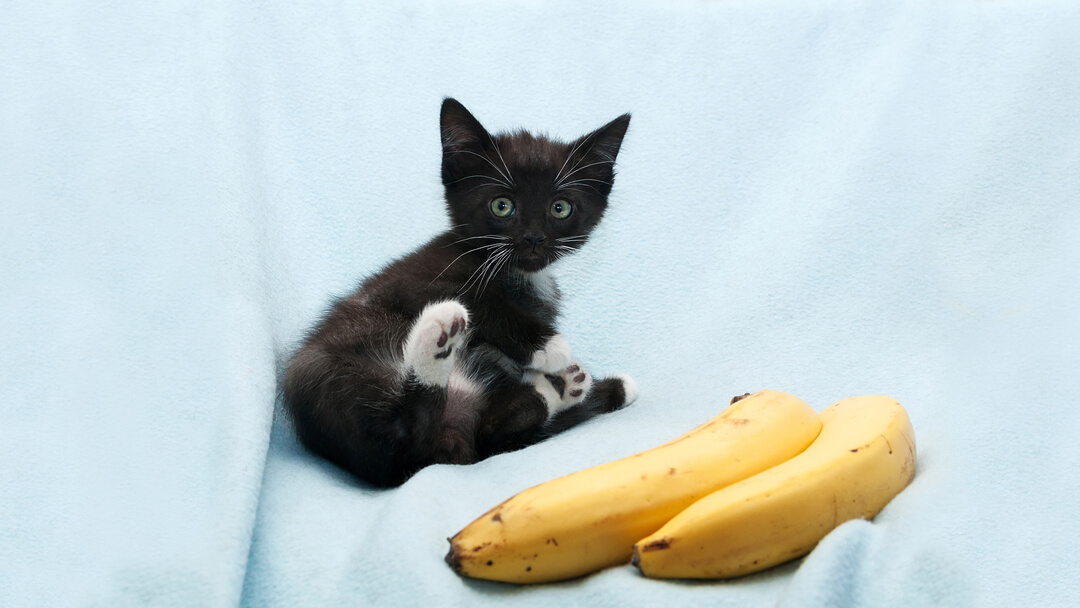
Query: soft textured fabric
824, 198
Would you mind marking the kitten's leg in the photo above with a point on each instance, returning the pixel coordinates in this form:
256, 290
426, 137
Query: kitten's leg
356, 410
430, 349
431, 355
544, 405
513, 419
384, 415
456, 442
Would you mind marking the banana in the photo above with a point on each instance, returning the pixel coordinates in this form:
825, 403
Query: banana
589, 520
864, 456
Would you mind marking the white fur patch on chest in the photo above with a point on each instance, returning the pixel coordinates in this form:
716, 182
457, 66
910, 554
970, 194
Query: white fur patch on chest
543, 283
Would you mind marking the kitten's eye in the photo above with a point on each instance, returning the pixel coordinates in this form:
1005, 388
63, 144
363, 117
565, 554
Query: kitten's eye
561, 209
502, 207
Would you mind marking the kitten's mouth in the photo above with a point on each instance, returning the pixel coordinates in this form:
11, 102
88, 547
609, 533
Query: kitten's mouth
532, 261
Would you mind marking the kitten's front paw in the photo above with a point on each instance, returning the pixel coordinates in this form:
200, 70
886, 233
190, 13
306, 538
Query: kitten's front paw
430, 347
553, 358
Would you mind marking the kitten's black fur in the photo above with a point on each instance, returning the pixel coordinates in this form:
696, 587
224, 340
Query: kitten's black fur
359, 393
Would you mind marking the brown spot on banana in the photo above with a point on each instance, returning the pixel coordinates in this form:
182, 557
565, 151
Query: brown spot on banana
656, 545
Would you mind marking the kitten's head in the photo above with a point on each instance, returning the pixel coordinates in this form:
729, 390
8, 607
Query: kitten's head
536, 199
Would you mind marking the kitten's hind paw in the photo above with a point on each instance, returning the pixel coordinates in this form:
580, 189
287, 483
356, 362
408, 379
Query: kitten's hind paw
576, 384
564, 389
430, 349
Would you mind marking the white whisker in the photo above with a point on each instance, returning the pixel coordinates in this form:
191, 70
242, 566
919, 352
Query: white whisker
572, 188
487, 185
492, 263
482, 236
498, 248
509, 178
583, 157
506, 178
586, 179
593, 188
472, 177
582, 168
502, 257
479, 268
581, 182
492, 246
558, 176
482, 270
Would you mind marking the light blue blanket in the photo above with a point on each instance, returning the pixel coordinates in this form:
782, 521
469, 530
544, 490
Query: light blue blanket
825, 198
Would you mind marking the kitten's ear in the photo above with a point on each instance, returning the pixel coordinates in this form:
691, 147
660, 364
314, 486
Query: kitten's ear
592, 159
464, 141
460, 130
606, 141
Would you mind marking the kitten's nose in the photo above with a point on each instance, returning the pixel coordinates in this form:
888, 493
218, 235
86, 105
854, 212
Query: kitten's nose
534, 241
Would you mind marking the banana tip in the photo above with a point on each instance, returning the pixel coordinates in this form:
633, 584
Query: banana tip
452, 558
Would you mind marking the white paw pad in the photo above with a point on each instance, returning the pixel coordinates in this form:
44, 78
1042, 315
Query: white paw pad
430, 349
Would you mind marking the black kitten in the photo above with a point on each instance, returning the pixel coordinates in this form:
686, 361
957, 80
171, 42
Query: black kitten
450, 354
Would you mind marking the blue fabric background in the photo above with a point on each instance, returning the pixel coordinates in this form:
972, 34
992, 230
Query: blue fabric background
830, 199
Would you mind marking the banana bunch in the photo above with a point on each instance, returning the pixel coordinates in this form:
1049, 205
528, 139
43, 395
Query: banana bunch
758, 485
591, 519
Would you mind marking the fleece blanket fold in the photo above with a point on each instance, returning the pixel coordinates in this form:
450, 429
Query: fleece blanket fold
828, 198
